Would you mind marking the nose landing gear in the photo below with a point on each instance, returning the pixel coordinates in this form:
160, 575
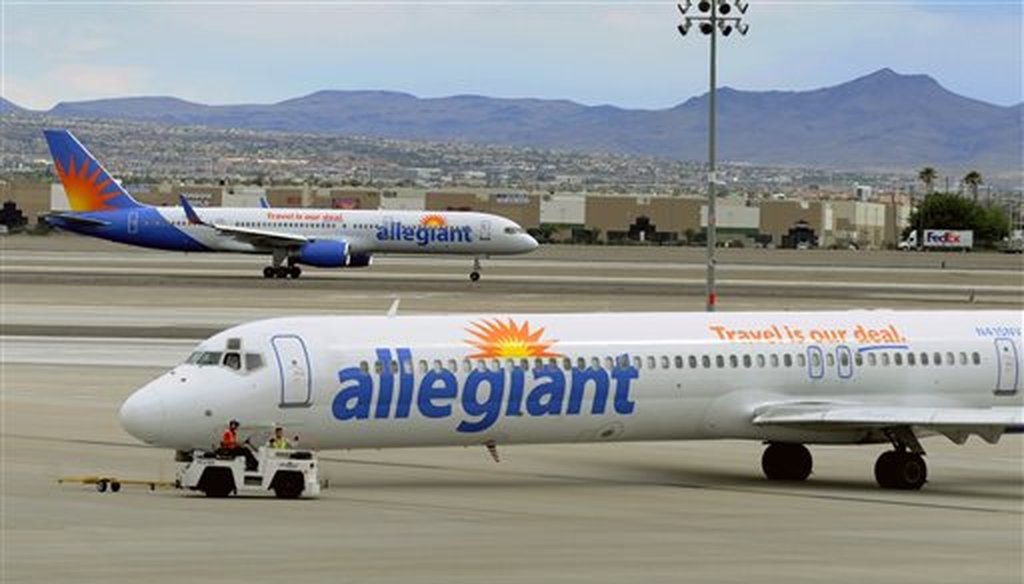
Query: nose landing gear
475, 274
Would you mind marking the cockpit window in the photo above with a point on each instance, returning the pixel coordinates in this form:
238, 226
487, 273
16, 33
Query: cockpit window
514, 230
253, 361
205, 358
233, 361
230, 359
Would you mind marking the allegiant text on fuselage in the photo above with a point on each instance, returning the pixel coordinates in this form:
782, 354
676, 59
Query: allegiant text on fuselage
422, 235
481, 394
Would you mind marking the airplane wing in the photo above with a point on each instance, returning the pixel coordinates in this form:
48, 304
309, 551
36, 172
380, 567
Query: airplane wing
955, 423
260, 237
257, 237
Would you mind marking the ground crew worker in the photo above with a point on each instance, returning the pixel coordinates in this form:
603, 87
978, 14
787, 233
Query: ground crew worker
229, 445
278, 441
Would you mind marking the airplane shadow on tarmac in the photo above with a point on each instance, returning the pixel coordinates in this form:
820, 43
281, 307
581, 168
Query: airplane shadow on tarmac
950, 494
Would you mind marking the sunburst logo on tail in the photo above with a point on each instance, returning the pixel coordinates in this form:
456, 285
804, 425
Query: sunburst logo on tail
494, 338
433, 221
85, 191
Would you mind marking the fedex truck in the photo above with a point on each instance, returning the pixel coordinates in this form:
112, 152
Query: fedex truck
940, 239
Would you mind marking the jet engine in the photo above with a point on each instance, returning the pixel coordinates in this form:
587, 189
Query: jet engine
324, 254
331, 254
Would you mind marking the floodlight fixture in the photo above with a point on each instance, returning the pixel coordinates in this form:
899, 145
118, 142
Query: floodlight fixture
714, 19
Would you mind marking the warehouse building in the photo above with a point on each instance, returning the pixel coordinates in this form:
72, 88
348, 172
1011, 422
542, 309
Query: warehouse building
558, 216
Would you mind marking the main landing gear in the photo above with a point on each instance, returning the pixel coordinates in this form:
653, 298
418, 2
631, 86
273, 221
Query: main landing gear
903, 467
783, 461
475, 274
277, 270
282, 272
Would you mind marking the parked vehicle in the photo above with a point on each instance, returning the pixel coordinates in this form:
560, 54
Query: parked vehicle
940, 239
288, 473
1015, 242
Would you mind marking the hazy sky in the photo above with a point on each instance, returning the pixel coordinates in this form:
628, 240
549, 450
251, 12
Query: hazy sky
616, 52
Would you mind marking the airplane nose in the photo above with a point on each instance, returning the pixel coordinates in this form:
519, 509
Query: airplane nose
531, 243
142, 415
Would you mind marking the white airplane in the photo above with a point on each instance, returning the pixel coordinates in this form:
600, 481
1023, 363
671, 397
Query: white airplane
784, 378
325, 238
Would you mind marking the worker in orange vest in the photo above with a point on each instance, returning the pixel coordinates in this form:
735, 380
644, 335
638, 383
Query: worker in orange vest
229, 445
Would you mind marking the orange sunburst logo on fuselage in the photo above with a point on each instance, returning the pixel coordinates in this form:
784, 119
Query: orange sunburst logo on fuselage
500, 339
85, 191
433, 221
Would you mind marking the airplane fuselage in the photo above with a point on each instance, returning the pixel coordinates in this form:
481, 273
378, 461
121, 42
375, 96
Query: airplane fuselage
369, 382
363, 231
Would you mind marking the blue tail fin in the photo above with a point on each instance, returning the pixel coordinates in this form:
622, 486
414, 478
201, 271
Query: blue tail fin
88, 186
190, 213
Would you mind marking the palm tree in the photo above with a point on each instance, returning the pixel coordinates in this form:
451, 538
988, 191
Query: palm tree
928, 176
973, 180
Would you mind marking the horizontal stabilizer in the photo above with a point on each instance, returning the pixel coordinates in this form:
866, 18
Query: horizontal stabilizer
79, 219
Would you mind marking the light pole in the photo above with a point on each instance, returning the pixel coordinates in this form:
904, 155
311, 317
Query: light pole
712, 18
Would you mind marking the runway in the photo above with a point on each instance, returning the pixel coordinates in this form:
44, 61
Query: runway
552, 270
75, 345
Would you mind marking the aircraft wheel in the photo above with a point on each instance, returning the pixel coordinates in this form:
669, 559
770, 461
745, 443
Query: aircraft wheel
884, 469
786, 462
901, 470
101, 486
294, 272
288, 487
268, 272
218, 489
474, 276
115, 487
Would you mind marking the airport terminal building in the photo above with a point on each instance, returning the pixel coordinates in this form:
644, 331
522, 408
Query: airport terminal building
557, 216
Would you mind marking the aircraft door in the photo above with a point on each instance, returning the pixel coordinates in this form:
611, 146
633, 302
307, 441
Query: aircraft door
1008, 375
293, 370
133, 222
485, 230
844, 362
815, 362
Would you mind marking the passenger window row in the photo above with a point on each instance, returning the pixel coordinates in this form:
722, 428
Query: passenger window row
286, 224
731, 361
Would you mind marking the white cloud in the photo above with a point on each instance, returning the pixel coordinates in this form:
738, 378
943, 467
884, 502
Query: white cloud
76, 82
623, 54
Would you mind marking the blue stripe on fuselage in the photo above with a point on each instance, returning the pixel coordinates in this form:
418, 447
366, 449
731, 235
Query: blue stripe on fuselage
144, 227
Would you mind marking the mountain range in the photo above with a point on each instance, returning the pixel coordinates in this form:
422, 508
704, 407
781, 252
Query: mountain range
884, 121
